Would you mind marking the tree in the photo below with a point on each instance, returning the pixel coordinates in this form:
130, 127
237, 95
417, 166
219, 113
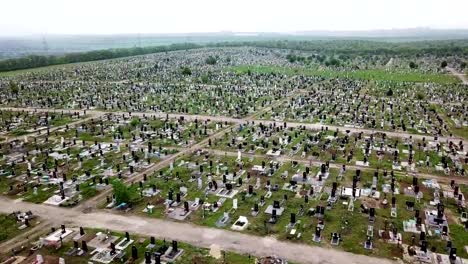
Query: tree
205, 79
443, 64
420, 96
332, 62
186, 71
390, 92
291, 58
123, 193
135, 122
413, 65
211, 60
14, 89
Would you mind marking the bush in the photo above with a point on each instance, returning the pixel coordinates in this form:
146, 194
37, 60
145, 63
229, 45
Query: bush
413, 65
420, 96
186, 71
443, 64
211, 60
390, 92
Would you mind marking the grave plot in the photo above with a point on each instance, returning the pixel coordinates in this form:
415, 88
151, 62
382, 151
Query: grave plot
59, 171
80, 245
399, 209
22, 123
16, 223
378, 151
456, 116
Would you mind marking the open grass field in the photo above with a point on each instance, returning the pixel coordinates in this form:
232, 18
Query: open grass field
375, 74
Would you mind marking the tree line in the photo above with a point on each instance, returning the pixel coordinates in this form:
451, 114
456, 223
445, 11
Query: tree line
347, 48
34, 61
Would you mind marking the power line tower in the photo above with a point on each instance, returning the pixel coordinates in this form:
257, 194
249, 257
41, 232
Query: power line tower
45, 46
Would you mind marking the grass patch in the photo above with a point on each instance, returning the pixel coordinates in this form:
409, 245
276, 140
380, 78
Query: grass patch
375, 74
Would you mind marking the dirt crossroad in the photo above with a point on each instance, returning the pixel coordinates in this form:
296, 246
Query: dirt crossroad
196, 235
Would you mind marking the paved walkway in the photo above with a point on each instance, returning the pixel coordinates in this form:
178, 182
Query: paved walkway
195, 235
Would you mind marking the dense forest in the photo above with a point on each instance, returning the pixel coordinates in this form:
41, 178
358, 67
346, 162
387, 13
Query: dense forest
339, 46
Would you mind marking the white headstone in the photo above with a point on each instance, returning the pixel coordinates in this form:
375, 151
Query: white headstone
61, 261
234, 203
61, 141
39, 259
200, 183
239, 155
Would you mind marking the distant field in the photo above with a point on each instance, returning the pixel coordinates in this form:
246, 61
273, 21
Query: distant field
379, 75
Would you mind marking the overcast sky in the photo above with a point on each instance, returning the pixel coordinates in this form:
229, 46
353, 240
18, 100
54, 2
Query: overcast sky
19, 17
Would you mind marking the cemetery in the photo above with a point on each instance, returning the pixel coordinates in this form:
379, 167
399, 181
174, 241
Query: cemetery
367, 156
365, 212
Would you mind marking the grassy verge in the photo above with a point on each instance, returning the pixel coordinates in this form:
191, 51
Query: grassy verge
379, 75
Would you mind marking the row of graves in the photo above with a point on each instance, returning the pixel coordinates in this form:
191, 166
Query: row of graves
428, 155
63, 171
79, 245
16, 223
146, 130
339, 102
18, 123
299, 202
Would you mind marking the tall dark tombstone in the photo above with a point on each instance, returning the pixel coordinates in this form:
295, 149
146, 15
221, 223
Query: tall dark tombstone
134, 252
147, 257
453, 254
293, 218
174, 246
84, 246
112, 246
157, 258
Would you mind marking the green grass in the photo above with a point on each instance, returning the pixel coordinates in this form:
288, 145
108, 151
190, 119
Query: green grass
8, 227
378, 75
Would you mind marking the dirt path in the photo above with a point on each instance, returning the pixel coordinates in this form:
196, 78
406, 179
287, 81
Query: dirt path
461, 76
198, 236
